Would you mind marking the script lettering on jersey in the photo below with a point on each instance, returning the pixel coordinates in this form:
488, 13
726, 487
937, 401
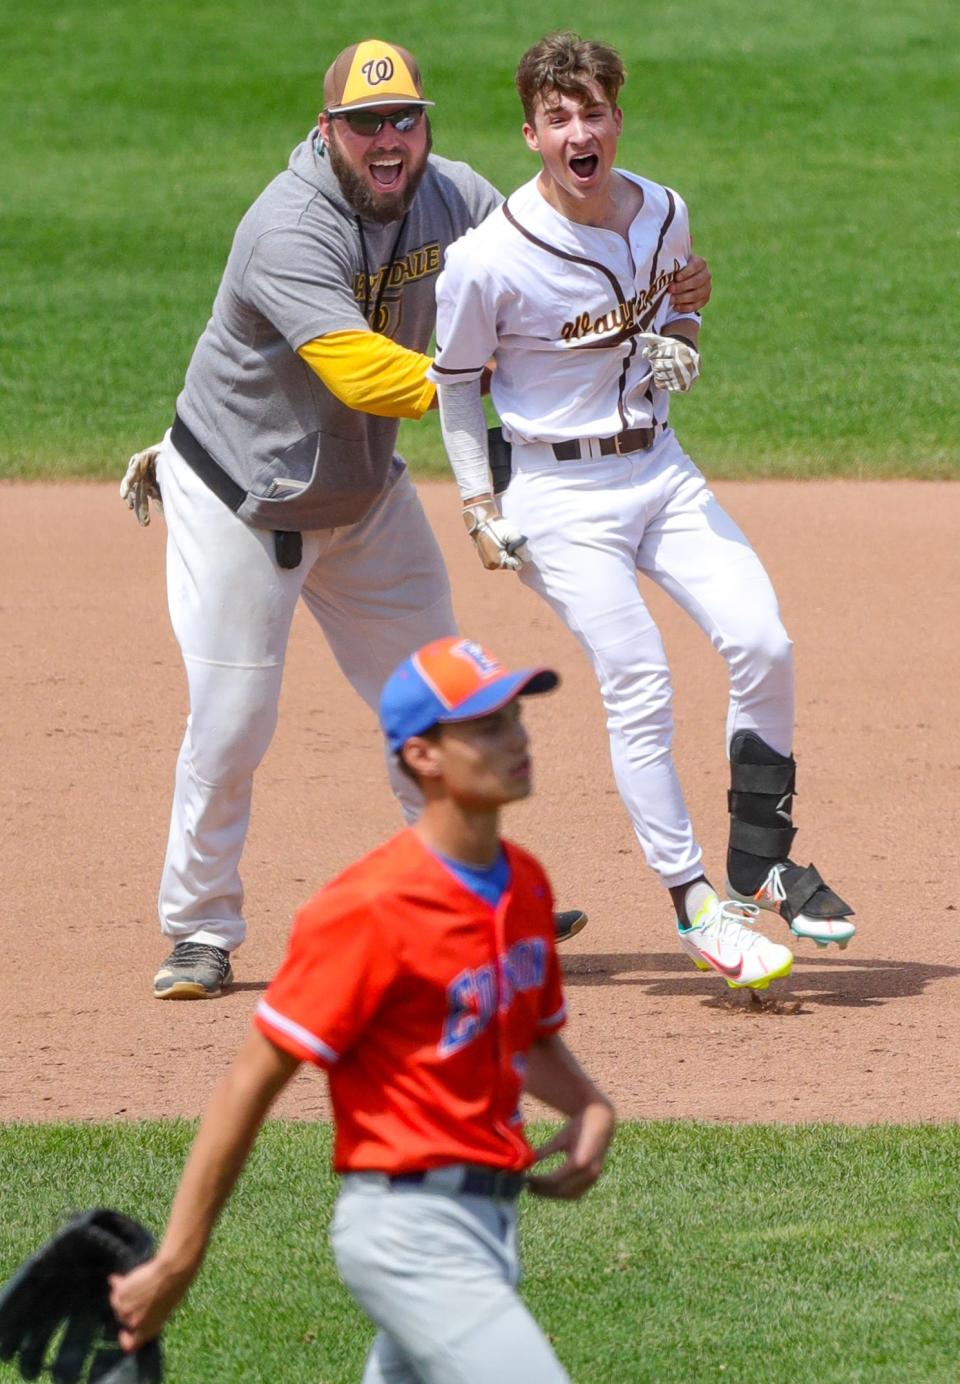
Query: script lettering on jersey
416, 264
474, 996
624, 319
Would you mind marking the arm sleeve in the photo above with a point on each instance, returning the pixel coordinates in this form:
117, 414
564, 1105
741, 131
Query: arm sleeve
331, 982
371, 373
464, 427
467, 311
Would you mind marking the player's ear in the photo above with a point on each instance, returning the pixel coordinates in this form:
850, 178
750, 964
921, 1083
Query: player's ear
618, 119
323, 122
530, 135
420, 755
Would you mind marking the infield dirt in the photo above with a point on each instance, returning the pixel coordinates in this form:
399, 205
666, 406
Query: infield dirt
868, 575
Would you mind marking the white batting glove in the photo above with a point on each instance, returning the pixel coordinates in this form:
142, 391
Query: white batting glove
674, 363
139, 484
500, 545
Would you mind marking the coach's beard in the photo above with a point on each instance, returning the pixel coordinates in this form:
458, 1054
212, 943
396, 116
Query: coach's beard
382, 207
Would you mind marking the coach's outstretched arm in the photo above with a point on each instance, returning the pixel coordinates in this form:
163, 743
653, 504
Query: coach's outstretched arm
146, 1297
555, 1076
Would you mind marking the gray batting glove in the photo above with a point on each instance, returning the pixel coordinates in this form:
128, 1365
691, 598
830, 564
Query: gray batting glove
500, 545
139, 485
674, 364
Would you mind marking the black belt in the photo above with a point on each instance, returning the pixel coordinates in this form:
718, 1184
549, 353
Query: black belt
476, 1182
200, 461
630, 440
288, 545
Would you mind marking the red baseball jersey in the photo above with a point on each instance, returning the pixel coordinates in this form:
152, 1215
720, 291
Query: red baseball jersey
421, 1001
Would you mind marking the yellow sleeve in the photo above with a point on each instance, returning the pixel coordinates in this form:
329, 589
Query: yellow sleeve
371, 373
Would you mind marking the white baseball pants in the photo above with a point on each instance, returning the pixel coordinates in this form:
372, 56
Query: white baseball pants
591, 526
378, 589
437, 1273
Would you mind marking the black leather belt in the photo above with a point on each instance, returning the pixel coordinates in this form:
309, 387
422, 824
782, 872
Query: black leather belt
630, 440
288, 544
477, 1182
210, 472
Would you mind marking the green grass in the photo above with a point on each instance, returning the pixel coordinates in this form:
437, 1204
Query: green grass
751, 1253
815, 145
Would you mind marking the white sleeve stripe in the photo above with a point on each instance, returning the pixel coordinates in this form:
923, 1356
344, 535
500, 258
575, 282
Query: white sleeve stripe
553, 1018
297, 1031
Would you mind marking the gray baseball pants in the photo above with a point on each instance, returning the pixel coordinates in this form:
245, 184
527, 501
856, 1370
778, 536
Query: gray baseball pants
437, 1272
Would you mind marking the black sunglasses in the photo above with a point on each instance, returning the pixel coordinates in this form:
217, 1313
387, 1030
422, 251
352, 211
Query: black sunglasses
404, 120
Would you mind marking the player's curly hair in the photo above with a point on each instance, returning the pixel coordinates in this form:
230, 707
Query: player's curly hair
566, 63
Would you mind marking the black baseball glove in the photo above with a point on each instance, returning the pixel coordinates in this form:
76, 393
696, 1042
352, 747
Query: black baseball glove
65, 1284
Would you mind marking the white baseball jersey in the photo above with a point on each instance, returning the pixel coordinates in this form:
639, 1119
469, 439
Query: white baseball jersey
560, 305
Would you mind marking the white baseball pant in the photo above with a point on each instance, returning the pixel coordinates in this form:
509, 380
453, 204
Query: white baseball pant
591, 526
437, 1273
378, 589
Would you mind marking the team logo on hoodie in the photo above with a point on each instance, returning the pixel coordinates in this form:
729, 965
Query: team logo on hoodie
385, 287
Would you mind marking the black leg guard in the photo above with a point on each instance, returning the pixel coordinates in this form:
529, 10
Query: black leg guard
762, 785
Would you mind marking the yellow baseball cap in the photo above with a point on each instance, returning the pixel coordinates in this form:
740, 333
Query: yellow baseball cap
372, 73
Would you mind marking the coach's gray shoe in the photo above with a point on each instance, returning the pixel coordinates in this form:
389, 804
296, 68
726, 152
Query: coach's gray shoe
568, 924
193, 971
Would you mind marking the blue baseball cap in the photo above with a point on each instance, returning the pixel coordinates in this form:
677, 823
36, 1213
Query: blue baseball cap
451, 679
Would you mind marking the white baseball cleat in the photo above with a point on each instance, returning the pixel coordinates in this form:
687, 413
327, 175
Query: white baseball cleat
810, 907
719, 940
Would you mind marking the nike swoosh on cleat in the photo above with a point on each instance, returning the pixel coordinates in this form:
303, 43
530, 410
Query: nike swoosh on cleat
733, 971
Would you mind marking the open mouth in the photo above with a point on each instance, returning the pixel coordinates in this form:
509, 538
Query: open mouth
584, 165
386, 173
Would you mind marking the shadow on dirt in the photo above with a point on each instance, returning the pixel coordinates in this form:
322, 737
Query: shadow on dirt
846, 982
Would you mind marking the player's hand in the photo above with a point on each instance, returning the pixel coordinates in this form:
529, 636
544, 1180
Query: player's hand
139, 485
674, 363
143, 1299
498, 542
584, 1139
690, 290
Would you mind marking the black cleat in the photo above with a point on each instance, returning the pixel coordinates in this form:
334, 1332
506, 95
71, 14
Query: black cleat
193, 971
568, 924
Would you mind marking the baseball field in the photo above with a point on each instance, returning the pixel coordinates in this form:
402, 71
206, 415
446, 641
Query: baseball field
781, 1200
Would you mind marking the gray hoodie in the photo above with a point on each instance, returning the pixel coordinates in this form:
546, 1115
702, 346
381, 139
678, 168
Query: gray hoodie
296, 271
